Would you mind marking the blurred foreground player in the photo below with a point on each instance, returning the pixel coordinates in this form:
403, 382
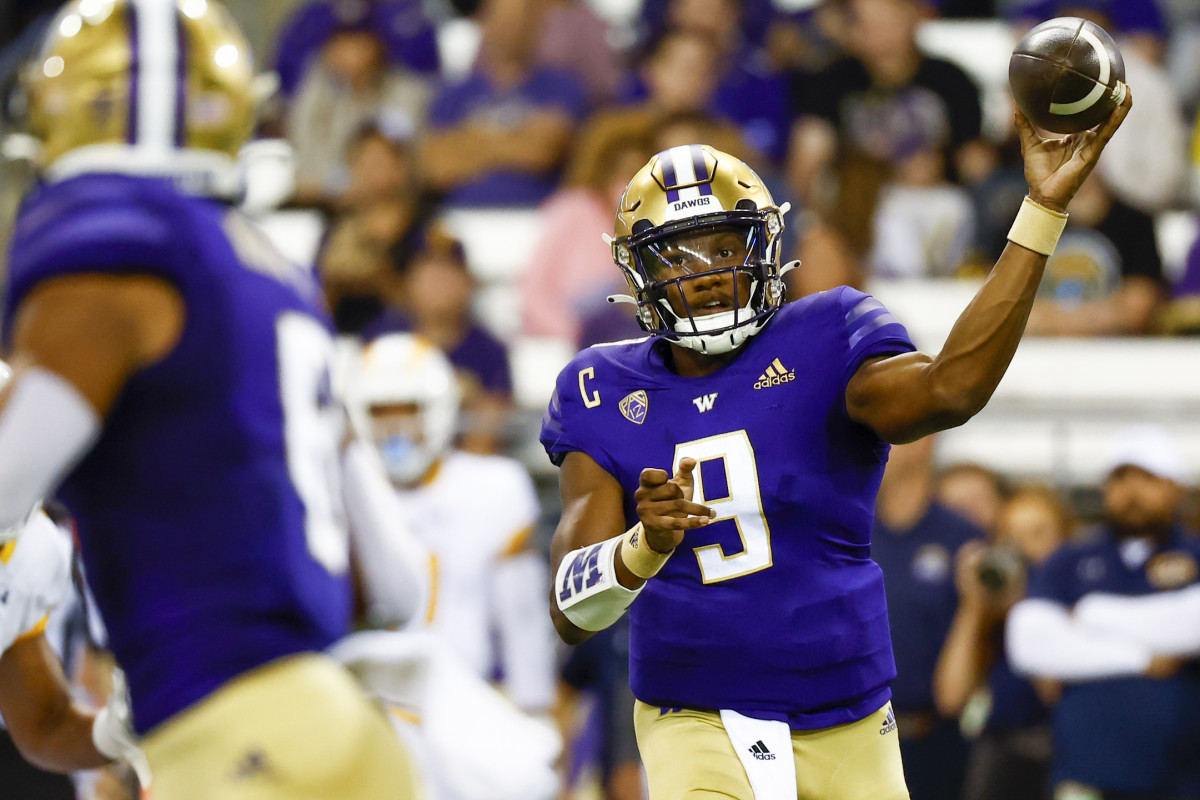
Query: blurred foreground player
172, 383
45, 723
767, 642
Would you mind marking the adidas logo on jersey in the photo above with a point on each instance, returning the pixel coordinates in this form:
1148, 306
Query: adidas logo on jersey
889, 724
760, 752
775, 375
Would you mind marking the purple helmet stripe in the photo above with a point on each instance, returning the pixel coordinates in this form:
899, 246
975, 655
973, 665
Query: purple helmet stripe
181, 56
668, 167
701, 170
698, 165
135, 68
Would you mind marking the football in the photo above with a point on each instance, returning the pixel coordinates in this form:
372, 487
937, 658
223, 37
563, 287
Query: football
1066, 75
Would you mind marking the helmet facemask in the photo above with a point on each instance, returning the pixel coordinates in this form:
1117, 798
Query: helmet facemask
406, 437
403, 398
675, 209
735, 250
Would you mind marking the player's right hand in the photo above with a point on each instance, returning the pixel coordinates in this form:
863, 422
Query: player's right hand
1055, 168
665, 507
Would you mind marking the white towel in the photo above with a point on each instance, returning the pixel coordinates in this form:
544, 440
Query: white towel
765, 749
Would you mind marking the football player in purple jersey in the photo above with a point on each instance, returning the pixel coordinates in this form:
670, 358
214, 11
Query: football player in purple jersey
172, 387
719, 476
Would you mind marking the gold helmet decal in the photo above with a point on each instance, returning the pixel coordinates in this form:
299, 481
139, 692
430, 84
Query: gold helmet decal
683, 191
147, 77
685, 182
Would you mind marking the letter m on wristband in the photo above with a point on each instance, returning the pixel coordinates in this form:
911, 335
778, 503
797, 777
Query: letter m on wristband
584, 572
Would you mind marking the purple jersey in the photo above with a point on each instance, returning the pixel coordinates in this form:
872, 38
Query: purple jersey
774, 610
209, 528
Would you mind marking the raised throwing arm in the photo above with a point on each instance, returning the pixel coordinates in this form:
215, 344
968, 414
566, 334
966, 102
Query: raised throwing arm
905, 397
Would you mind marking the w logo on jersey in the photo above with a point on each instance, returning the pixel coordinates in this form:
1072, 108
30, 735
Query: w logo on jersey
775, 375
634, 407
705, 402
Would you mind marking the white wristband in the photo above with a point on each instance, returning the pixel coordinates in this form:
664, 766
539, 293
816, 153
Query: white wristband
586, 587
1037, 227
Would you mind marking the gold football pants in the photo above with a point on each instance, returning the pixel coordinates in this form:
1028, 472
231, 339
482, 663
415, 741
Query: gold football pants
299, 728
688, 756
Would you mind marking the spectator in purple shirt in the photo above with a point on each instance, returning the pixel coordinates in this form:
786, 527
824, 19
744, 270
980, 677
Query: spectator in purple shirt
434, 300
499, 137
408, 36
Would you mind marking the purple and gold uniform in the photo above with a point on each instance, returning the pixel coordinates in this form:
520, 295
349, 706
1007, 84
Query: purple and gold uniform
775, 610
210, 532
207, 483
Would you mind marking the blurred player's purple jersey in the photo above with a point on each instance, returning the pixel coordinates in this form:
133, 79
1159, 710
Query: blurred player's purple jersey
201, 550
775, 609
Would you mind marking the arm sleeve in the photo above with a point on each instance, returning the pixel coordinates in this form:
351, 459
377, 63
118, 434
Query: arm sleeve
1042, 640
46, 427
1167, 623
519, 601
526, 635
391, 561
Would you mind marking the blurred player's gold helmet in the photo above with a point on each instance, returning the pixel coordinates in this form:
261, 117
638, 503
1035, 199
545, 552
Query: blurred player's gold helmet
142, 86
683, 191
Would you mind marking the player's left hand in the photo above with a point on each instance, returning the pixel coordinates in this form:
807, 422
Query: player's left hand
113, 735
665, 507
1056, 168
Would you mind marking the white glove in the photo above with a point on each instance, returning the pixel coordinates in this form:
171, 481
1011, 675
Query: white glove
113, 735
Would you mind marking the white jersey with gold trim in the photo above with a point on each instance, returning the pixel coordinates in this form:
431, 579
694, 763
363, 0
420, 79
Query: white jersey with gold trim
35, 576
476, 516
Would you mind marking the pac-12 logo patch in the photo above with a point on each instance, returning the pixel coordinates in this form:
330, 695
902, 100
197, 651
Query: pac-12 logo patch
634, 406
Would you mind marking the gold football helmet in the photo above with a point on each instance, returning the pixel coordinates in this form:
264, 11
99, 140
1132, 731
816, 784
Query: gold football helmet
142, 86
686, 201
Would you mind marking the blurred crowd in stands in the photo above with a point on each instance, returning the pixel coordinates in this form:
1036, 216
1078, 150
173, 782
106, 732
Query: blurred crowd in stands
899, 164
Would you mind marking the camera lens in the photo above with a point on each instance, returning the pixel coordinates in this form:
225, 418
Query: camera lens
998, 568
992, 576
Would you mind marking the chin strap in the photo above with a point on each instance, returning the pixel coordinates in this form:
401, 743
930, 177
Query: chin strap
788, 267
623, 298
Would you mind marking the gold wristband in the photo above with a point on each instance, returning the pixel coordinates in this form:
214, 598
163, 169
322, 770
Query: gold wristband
1037, 227
637, 555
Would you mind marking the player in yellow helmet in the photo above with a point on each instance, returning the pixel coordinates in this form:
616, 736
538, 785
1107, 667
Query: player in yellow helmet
719, 477
172, 383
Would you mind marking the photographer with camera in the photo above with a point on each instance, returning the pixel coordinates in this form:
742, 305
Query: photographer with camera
1009, 722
